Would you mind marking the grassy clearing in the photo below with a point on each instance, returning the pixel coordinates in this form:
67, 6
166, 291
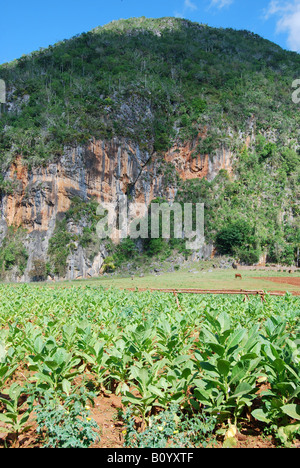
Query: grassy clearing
218, 279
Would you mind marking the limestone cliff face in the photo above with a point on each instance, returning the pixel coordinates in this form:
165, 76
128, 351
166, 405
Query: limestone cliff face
191, 167
104, 170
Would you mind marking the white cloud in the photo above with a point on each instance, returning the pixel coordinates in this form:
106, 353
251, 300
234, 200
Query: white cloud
177, 14
288, 13
221, 3
189, 5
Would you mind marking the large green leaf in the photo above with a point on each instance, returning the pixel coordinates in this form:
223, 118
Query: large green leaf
203, 396
223, 367
217, 348
279, 365
292, 410
66, 386
38, 345
242, 389
224, 321
2, 353
4, 418
209, 368
236, 338
288, 433
261, 416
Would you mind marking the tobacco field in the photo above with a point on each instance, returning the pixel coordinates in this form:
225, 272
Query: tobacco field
195, 372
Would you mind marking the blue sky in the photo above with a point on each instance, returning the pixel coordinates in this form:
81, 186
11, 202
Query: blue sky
29, 25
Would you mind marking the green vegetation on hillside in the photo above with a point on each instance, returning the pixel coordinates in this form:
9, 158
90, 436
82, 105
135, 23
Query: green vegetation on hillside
147, 80
255, 213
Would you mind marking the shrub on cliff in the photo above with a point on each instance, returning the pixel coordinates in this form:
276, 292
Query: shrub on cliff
232, 236
40, 270
59, 248
13, 254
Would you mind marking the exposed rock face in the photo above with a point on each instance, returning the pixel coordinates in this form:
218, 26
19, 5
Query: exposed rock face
104, 170
190, 166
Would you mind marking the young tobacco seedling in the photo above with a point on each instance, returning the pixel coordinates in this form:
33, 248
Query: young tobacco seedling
14, 417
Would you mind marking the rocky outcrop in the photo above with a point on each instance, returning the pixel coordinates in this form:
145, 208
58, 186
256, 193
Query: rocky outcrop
206, 166
104, 170
191, 164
